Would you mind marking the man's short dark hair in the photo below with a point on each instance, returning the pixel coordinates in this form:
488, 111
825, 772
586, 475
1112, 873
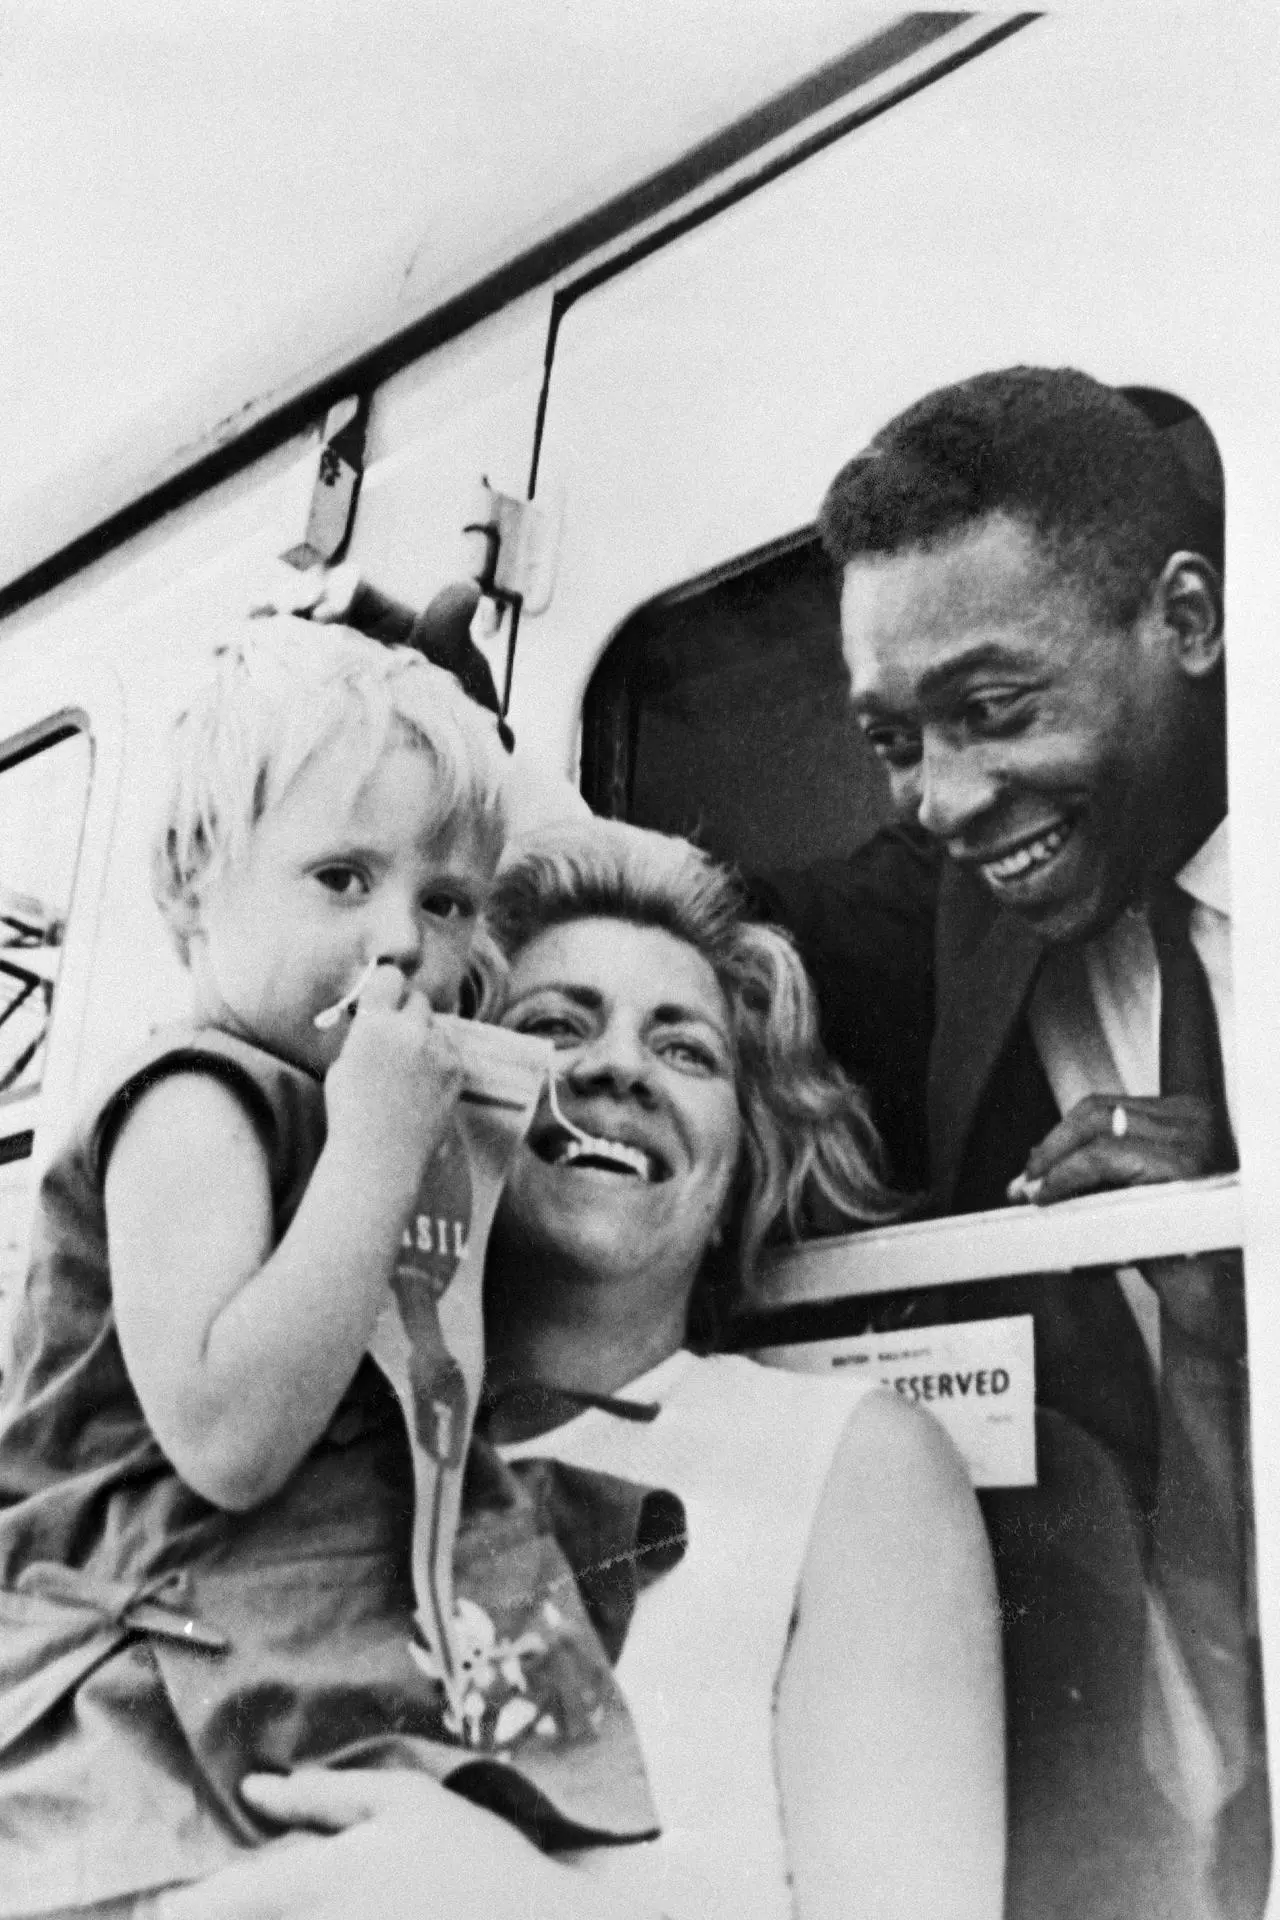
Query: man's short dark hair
1095, 474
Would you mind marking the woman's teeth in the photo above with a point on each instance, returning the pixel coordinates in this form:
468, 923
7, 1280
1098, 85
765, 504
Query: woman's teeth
1035, 853
612, 1155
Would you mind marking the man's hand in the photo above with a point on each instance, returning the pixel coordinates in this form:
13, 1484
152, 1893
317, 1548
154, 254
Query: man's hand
1172, 1138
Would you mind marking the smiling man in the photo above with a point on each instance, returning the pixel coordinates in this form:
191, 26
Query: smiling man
1031, 970
1032, 616
1063, 743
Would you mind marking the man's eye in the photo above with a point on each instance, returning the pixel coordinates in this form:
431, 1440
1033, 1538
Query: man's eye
997, 712
898, 747
348, 883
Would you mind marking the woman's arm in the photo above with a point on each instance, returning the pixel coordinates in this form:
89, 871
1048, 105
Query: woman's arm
239, 1352
890, 1726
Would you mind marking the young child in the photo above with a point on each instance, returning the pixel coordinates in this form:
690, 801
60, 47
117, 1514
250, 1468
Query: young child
206, 1492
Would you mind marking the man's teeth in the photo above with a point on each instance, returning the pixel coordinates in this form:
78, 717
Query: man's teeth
1036, 853
610, 1153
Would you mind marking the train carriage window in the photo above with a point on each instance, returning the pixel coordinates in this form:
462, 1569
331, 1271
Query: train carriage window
43, 794
721, 711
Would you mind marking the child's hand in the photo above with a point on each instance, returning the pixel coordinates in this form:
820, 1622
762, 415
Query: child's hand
393, 1087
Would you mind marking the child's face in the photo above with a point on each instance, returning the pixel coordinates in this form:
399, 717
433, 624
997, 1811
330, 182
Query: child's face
338, 874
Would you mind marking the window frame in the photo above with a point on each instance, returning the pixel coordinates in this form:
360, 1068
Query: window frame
44, 742
84, 695
1114, 1229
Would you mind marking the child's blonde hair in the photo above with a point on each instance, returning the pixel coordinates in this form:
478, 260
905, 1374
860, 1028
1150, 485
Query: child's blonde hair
278, 694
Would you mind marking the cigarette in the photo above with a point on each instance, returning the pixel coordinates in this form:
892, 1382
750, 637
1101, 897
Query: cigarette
330, 1016
1022, 1188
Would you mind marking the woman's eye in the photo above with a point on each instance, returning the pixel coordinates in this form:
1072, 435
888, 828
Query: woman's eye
448, 906
690, 1054
556, 1027
348, 883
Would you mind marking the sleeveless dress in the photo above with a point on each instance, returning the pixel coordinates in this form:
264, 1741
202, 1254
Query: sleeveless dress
154, 1648
747, 1449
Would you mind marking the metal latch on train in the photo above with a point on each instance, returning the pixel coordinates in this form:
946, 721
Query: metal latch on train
339, 468
512, 546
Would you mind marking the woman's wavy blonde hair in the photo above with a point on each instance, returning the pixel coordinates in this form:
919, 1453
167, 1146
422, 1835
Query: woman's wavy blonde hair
807, 1135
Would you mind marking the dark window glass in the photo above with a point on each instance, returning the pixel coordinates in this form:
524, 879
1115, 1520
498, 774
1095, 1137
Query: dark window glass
721, 711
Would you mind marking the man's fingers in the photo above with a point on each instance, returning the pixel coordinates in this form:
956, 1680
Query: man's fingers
1090, 1170
1086, 1122
1158, 1139
1105, 1164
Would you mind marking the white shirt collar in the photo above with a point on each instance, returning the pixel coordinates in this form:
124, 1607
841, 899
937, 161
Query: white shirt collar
1207, 874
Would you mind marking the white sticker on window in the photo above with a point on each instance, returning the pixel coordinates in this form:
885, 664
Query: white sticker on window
977, 1377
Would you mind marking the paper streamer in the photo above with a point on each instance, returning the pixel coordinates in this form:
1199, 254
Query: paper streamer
429, 1339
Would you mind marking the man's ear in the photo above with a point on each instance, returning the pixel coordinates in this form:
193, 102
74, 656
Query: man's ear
1189, 597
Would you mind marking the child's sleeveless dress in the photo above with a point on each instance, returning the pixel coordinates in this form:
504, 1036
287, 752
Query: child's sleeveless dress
154, 1649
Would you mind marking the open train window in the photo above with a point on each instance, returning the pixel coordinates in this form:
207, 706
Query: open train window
722, 711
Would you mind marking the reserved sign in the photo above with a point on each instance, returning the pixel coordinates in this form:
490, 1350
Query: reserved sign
977, 1377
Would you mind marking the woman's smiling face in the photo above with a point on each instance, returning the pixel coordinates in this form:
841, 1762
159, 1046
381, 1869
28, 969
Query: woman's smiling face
645, 1065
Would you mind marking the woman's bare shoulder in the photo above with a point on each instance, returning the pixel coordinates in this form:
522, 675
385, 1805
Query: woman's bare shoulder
897, 1490
885, 1433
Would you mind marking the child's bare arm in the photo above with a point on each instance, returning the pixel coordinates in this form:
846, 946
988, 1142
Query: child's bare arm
239, 1354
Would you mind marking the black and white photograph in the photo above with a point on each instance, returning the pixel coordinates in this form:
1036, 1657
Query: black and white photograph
639, 982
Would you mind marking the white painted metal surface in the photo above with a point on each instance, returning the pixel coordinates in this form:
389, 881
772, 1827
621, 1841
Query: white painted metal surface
1108, 1229
207, 207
